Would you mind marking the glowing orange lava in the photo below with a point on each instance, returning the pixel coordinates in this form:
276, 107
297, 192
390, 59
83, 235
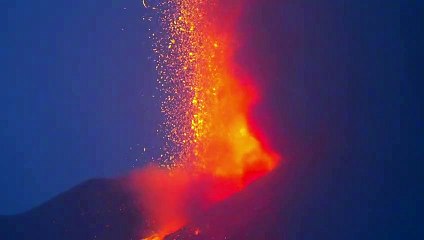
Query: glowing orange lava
211, 151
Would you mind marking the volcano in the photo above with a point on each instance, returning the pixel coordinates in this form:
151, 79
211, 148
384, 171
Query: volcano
269, 208
351, 166
104, 209
95, 209
300, 199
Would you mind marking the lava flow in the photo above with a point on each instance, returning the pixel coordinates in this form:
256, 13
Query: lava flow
213, 149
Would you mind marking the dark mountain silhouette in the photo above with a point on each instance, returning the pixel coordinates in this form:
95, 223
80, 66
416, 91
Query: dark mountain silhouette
96, 209
104, 209
298, 200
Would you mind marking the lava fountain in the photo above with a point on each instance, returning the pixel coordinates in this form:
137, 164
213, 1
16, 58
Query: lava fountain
213, 149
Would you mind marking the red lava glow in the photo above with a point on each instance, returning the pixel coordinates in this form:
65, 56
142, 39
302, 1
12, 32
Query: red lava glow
213, 150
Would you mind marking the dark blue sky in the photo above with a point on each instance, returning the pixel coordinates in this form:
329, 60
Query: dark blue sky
338, 77
343, 84
76, 94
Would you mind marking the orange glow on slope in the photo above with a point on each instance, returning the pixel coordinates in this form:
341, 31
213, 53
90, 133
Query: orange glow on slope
211, 151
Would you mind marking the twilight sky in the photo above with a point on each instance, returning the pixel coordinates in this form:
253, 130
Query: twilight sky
76, 94
77, 86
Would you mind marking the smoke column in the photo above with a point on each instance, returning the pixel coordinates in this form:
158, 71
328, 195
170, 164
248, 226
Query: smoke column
212, 148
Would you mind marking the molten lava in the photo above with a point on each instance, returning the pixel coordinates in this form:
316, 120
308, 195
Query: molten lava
212, 151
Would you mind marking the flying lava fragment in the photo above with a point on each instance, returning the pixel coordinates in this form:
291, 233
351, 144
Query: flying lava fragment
145, 4
212, 149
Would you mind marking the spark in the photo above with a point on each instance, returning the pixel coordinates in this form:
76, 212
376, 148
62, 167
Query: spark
206, 108
145, 4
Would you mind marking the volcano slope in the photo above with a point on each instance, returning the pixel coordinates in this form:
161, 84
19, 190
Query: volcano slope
96, 209
303, 199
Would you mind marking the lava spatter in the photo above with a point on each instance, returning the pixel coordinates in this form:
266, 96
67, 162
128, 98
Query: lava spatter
211, 151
